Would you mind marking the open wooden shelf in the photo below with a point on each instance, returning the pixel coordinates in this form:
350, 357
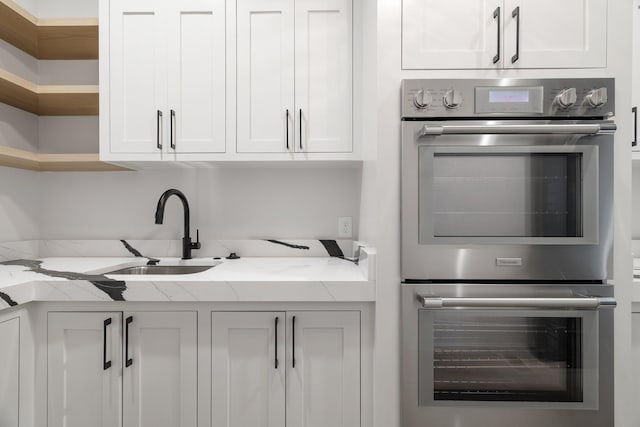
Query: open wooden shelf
21, 159
48, 38
48, 100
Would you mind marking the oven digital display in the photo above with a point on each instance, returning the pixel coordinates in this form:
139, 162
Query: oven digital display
508, 96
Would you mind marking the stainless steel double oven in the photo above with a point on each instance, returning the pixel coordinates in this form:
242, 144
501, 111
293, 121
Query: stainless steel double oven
507, 223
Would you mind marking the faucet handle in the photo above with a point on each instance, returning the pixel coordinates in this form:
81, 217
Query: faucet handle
197, 244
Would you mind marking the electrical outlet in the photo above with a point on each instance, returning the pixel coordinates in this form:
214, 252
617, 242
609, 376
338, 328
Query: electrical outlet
345, 227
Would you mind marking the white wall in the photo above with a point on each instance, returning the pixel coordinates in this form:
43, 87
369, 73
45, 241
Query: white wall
60, 8
390, 75
229, 203
19, 205
365, 115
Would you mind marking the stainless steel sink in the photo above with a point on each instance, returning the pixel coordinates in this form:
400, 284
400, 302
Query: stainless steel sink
162, 269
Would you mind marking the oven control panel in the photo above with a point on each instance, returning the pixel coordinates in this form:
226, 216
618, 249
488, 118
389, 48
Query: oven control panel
580, 98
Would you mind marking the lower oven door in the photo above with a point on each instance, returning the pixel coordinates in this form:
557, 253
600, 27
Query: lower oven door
484, 361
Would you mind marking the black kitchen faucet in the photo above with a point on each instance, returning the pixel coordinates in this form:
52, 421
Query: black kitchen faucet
187, 245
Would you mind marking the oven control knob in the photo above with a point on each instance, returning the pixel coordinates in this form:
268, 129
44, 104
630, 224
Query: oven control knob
566, 98
452, 99
422, 99
597, 97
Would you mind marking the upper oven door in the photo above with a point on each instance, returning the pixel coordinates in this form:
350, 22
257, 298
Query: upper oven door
539, 194
505, 193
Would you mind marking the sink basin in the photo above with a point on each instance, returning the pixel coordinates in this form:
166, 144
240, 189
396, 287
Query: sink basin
162, 269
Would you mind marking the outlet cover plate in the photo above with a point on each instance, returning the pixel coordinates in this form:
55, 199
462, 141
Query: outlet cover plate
345, 227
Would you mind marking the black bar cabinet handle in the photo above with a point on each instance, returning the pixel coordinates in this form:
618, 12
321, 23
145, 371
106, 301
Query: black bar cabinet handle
276, 342
293, 342
287, 122
159, 130
496, 15
301, 129
105, 364
634, 110
172, 131
516, 14
129, 361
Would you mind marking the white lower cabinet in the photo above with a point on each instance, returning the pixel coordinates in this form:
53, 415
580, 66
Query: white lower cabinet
323, 369
99, 366
635, 356
83, 369
160, 377
140, 369
248, 369
303, 364
9, 372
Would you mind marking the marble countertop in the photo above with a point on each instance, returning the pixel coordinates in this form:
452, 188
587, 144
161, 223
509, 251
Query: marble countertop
252, 279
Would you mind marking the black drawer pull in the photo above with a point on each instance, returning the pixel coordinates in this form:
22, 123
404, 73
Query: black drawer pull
276, 342
293, 342
128, 361
105, 364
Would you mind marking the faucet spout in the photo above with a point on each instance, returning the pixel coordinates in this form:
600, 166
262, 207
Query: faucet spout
187, 244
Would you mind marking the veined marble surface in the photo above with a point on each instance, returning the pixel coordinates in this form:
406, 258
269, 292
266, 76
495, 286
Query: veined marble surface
173, 248
253, 279
26, 249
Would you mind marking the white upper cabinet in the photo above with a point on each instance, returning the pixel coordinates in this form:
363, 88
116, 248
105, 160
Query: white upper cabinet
168, 92
323, 76
166, 78
555, 34
294, 68
265, 72
486, 34
138, 76
635, 81
451, 34
196, 42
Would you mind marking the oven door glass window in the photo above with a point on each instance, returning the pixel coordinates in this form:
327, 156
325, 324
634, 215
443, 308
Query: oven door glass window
508, 194
479, 356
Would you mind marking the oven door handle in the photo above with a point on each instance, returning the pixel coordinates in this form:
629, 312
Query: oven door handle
571, 129
586, 303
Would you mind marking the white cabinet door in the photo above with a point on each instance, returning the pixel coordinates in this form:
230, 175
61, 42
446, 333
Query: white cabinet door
635, 80
83, 370
197, 67
323, 65
160, 369
248, 369
556, 34
635, 352
451, 34
9, 372
323, 369
138, 76
265, 85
